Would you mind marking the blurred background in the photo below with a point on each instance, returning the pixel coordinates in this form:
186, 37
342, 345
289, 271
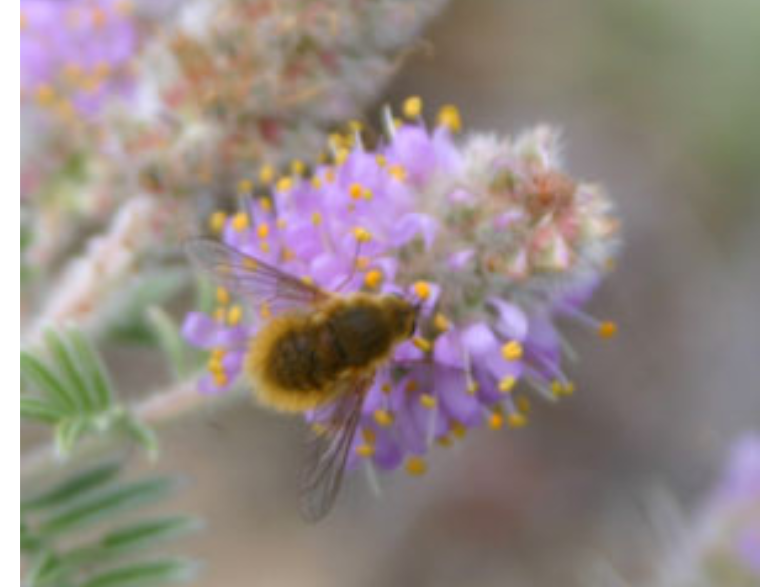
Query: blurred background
659, 102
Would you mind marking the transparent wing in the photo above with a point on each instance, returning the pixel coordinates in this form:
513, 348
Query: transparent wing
327, 455
257, 282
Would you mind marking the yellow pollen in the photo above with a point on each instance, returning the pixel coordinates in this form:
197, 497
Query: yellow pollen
316, 218
297, 167
380, 160
329, 176
340, 156
220, 379
365, 450
560, 388
449, 117
318, 428
445, 441
264, 311
428, 401
523, 405
264, 247
45, 95
250, 263
517, 420
316, 182
218, 352
215, 365
386, 388
472, 388
234, 315
240, 222
411, 386
221, 294
281, 223
245, 186
219, 315
421, 289
263, 230
441, 322
607, 329
416, 466
383, 418
356, 191
284, 184
411, 108
307, 280
373, 279
98, 18
422, 344
367, 194
495, 421
217, 221
397, 122
369, 435
362, 234
398, 172
506, 384
362, 263
266, 174
458, 429
287, 255
265, 203
512, 351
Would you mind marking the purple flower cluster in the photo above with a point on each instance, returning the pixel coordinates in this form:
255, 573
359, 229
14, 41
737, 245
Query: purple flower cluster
74, 54
401, 205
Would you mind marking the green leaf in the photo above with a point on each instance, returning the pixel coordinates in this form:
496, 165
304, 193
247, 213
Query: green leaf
144, 573
168, 338
75, 487
147, 533
36, 409
41, 378
143, 434
67, 432
68, 370
92, 368
97, 507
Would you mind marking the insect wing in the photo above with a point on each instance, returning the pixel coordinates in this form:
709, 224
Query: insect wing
327, 455
257, 282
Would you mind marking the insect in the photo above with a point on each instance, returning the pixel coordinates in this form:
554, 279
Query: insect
318, 350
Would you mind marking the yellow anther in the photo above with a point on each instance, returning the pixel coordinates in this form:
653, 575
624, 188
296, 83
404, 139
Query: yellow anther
607, 329
316, 218
386, 388
441, 322
421, 289
367, 194
98, 18
422, 344
262, 230
416, 466
264, 245
506, 384
250, 263
495, 421
218, 352
458, 429
411, 108
215, 365
316, 182
220, 378
362, 234
287, 254
365, 451
523, 405
472, 388
397, 122
368, 434
217, 221
266, 203
234, 315
240, 222
383, 418
449, 117
362, 262
245, 186
284, 184
512, 351
373, 279
330, 176
307, 280
336, 140
561, 388
45, 95
318, 428
266, 174
297, 167
428, 401
355, 191
444, 441
380, 160
264, 311
340, 156
222, 296
398, 172
281, 223
355, 125
517, 420
411, 386
219, 315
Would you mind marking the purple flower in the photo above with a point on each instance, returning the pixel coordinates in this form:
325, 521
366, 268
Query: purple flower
429, 223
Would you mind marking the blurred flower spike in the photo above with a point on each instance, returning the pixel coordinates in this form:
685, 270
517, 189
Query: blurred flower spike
75, 54
489, 235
